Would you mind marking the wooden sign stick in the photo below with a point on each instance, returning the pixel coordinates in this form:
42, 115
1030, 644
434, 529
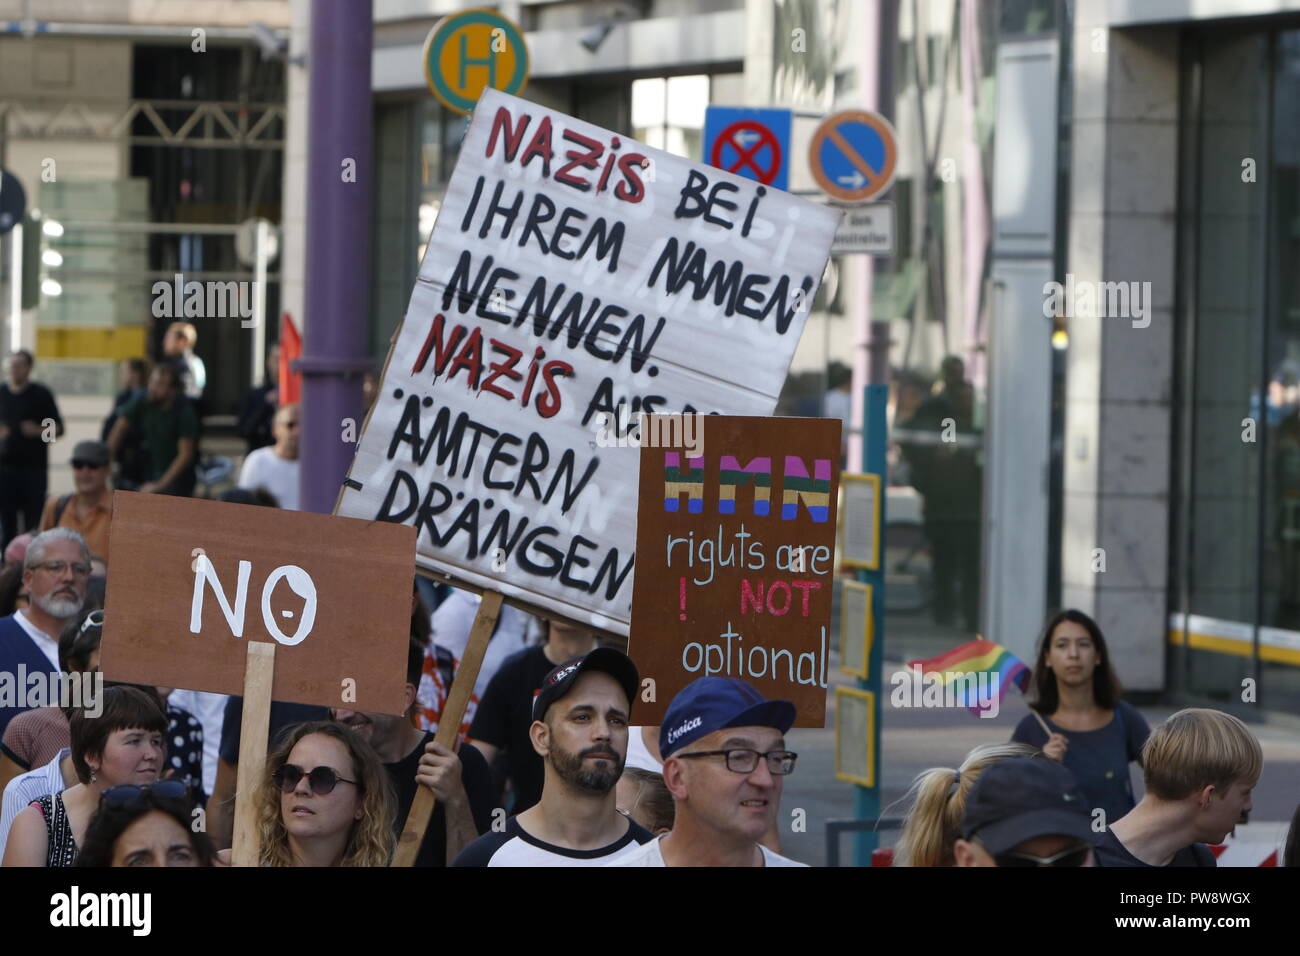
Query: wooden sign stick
253, 730
417, 820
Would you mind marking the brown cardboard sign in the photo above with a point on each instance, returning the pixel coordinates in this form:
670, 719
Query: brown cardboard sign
735, 557
191, 582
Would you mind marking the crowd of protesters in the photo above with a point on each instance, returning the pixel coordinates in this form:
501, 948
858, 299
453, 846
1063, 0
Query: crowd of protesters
549, 770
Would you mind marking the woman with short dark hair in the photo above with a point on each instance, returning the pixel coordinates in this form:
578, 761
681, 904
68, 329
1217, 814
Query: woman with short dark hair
118, 742
1078, 717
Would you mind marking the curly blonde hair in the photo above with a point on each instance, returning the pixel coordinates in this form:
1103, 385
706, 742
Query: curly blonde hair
371, 841
933, 823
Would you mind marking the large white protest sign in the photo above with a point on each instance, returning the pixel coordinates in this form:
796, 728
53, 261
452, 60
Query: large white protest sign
572, 273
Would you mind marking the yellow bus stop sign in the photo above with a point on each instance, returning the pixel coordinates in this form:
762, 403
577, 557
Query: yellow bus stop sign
470, 51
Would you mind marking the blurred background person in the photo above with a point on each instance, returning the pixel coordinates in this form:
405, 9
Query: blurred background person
178, 349
89, 509
25, 408
169, 428
132, 380
1077, 696
945, 469
257, 408
276, 467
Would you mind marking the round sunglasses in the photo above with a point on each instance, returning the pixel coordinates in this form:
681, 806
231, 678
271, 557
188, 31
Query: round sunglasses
322, 780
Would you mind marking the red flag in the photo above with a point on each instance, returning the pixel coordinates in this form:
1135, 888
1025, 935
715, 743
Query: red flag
290, 349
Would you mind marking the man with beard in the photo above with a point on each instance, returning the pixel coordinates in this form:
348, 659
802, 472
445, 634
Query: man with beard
580, 721
55, 571
460, 781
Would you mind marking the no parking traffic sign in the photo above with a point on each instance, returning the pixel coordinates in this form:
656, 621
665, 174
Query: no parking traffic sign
853, 155
754, 143
470, 51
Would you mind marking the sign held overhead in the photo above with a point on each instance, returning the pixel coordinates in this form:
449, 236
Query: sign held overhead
573, 279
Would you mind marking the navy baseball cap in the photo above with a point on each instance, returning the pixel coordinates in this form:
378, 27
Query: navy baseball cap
1025, 797
606, 660
714, 703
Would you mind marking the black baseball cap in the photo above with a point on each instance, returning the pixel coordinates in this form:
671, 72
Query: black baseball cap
606, 660
1025, 797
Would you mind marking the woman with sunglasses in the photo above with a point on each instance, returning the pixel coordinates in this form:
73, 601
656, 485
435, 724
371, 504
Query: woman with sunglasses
121, 742
150, 825
1077, 717
325, 800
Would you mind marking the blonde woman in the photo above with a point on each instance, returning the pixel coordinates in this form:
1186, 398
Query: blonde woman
939, 795
325, 801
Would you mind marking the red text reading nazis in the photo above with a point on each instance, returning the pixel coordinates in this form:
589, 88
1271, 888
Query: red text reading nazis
463, 351
590, 165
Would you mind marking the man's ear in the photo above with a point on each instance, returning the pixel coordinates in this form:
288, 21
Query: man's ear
1205, 795
675, 778
540, 736
409, 693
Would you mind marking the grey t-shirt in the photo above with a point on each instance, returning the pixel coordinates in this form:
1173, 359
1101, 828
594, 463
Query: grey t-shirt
1098, 758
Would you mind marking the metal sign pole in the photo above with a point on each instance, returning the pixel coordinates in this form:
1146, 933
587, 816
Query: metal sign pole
263, 238
16, 287
866, 800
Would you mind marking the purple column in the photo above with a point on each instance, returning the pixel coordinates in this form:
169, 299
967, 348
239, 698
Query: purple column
337, 301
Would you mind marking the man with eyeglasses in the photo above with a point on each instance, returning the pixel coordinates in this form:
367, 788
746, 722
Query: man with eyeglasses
580, 721
1026, 811
276, 467
725, 763
56, 569
89, 509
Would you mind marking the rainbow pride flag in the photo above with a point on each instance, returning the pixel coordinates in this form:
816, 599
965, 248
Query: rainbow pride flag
973, 672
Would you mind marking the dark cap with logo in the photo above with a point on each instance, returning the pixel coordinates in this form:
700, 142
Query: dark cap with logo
1025, 797
606, 660
713, 703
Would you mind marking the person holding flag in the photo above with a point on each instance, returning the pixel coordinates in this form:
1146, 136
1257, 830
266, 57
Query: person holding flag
1077, 717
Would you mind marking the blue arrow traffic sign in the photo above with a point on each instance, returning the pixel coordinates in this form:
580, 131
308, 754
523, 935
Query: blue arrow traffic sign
853, 155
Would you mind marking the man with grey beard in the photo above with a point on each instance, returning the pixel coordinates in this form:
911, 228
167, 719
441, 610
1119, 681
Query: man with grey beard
580, 721
56, 569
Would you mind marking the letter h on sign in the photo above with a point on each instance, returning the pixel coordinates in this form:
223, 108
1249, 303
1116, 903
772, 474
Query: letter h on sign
679, 481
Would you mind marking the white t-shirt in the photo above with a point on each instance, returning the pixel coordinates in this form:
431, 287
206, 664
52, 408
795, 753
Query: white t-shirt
650, 854
49, 646
265, 469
